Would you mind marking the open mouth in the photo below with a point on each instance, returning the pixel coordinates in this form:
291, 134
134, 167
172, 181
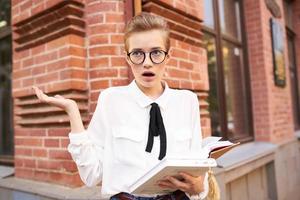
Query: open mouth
148, 74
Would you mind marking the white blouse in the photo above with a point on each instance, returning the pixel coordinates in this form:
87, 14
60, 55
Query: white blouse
112, 148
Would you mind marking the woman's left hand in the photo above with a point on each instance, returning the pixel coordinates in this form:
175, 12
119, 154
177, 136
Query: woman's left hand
189, 184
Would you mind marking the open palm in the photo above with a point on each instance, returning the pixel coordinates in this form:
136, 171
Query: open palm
57, 100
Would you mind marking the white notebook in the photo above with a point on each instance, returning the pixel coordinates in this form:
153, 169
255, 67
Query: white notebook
147, 184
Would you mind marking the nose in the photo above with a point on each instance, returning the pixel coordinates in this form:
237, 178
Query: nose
147, 62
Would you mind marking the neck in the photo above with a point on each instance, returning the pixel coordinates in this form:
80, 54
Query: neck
153, 92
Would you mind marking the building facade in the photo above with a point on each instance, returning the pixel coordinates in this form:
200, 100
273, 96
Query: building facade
241, 57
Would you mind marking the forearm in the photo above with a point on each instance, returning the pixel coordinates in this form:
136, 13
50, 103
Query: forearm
75, 119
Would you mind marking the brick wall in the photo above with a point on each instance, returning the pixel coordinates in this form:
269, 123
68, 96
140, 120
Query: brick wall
271, 104
49, 52
75, 48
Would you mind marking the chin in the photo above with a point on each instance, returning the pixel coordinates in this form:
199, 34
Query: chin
147, 84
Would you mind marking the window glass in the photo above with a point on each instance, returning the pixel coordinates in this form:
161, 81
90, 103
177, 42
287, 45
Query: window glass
229, 12
288, 14
4, 13
236, 105
208, 13
214, 111
6, 129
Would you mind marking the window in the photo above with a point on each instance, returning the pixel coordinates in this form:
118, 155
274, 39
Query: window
6, 127
229, 94
288, 14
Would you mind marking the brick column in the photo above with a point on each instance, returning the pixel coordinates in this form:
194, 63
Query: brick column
48, 51
106, 64
272, 114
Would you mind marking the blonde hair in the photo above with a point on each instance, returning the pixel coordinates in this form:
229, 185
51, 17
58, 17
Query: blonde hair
147, 22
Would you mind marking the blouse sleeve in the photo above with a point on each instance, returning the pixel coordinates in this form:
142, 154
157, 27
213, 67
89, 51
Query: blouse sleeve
196, 146
87, 147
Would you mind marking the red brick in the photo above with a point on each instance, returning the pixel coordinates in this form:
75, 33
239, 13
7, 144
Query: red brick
29, 132
59, 154
40, 175
73, 74
47, 78
77, 40
118, 61
102, 51
29, 163
59, 86
28, 141
99, 84
24, 173
21, 73
114, 18
103, 73
64, 143
51, 143
99, 62
25, 5
175, 73
117, 39
23, 151
99, 39
101, 6
103, 28
69, 166
49, 164
95, 19
58, 132
40, 152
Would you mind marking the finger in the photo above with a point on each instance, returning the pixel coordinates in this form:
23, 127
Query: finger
187, 177
167, 184
59, 96
35, 89
179, 184
37, 92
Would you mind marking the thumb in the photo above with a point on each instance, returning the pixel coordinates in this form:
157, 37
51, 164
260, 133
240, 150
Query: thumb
59, 96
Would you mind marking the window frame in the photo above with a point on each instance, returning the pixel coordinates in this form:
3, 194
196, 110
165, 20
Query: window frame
6, 31
217, 34
291, 34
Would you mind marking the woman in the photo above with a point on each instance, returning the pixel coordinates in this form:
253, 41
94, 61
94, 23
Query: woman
135, 126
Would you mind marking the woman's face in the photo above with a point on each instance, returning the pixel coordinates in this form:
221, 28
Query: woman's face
147, 74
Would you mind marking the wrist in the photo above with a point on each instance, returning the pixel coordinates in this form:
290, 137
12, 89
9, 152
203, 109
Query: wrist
72, 108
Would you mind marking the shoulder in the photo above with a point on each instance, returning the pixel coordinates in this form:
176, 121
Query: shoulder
184, 94
113, 92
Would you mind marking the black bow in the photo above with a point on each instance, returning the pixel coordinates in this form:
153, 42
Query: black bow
157, 128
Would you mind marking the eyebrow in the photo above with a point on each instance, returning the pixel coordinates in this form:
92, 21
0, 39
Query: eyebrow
139, 49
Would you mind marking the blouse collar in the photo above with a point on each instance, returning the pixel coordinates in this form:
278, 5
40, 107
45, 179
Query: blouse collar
143, 100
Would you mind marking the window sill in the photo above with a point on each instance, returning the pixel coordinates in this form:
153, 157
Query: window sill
245, 153
6, 171
32, 189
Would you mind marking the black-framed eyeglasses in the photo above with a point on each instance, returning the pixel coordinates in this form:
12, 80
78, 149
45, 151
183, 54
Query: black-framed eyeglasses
137, 57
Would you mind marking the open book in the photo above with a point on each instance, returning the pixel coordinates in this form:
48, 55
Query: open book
147, 184
211, 146
215, 147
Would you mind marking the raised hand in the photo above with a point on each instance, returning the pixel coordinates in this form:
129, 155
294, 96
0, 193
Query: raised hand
57, 100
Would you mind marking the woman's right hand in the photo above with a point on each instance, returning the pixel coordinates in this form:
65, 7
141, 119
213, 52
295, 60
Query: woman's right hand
57, 100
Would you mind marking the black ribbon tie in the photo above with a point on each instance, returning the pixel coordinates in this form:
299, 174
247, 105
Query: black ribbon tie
156, 128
